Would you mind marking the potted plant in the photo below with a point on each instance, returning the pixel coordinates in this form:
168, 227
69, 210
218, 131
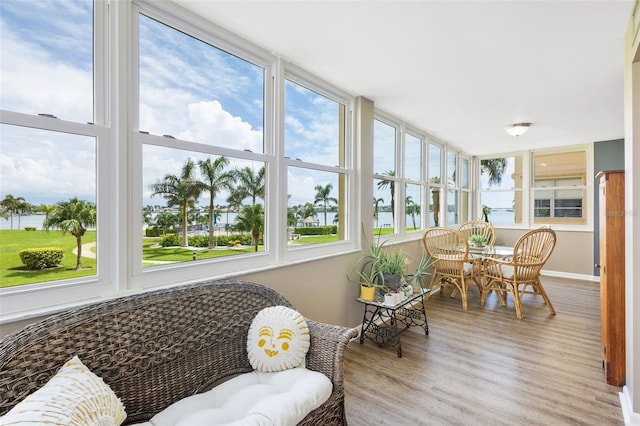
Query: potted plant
367, 277
367, 271
390, 265
386, 269
423, 268
477, 240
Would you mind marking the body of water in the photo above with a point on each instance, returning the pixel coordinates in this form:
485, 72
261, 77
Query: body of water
497, 217
22, 222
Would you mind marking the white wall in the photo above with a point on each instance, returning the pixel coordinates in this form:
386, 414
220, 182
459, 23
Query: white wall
630, 397
571, 258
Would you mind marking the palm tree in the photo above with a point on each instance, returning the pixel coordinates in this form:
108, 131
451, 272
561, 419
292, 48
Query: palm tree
234, 202
251, 219
376, 208
412, 209
23, 209
147, 215
74, 216
251, 184
179, 191
485, 212
215, 180
494, 168
306, 210
11, 205
323, 196
383, 184
47, 209
166, 220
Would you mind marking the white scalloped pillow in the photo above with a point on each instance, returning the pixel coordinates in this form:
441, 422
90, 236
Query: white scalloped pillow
278, 339
74, 396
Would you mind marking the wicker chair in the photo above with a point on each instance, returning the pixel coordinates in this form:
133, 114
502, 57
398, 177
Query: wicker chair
158, 347
449, 249
522, 270
478, 227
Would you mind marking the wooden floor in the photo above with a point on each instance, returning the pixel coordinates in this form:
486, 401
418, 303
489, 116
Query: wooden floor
486, 367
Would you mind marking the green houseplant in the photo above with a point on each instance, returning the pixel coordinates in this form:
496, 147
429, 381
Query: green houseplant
477, 240
386, 269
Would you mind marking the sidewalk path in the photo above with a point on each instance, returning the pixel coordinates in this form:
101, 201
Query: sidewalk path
91, 254
86, 250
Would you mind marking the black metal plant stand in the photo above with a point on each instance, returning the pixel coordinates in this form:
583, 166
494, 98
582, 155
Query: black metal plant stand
382, 324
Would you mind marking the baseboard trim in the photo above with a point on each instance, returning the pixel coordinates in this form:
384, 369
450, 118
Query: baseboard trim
569, 275
630, 418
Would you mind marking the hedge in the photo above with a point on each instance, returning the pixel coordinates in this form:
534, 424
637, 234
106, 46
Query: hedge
153, 232
316, 230
172, 240
41, 258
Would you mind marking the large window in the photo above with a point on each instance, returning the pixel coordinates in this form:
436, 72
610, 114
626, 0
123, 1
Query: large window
453, 192
200, 115
465, 189
51, 141
385, 185
414, 184
435, 185
399, 185
501, 190
315, 130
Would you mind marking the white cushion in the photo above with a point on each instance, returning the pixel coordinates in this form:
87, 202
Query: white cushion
74, 396
507, 271
274, 399
278, 339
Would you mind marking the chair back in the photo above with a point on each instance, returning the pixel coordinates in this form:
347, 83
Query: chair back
532, 250
448, 247
481, 228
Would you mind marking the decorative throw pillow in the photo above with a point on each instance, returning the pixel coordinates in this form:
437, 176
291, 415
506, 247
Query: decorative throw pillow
74, 396
278, 339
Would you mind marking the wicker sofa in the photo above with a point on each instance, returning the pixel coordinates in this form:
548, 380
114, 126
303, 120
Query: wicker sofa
158, 347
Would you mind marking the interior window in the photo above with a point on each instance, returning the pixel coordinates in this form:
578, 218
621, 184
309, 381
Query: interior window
435, 185
197, 203
384, 186
316, 183
559, 188
49, 155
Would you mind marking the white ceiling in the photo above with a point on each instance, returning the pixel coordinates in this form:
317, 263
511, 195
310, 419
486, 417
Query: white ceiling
459, 70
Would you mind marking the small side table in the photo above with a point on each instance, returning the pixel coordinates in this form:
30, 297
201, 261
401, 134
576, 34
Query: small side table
381, 322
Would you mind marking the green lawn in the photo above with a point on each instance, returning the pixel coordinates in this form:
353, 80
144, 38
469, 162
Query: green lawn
13, 272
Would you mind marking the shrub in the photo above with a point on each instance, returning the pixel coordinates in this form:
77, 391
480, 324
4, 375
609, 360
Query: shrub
171, 240
233, 240
316, 230
153, 232
199, 241
30, 228
41, 258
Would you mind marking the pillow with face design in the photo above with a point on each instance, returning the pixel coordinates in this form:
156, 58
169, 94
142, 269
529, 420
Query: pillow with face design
278, 339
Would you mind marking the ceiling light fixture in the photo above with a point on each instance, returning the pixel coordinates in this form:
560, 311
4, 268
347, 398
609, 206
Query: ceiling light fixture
517, 129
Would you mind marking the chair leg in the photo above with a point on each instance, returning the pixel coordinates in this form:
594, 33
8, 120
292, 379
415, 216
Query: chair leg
540, 290
463, 294
483, 295
517, 301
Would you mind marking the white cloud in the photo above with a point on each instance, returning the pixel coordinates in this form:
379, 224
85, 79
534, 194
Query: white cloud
33, 81
46, 167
